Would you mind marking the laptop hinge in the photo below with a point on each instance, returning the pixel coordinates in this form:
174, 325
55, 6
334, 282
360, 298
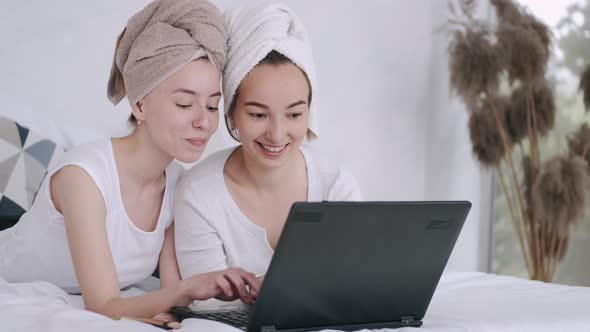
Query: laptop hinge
408, 319
268, 328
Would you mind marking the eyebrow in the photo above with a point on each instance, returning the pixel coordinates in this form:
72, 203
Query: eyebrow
263, 106
297, 103
191, 92
256, 104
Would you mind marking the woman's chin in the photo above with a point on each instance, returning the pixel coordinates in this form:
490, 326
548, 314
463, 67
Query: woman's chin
189, 157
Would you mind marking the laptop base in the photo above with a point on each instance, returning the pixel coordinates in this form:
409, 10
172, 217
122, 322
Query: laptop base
238, 319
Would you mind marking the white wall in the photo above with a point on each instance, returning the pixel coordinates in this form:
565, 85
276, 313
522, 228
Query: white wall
451, 171
383, 97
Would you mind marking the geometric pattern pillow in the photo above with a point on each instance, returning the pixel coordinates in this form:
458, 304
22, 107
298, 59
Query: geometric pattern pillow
24, 159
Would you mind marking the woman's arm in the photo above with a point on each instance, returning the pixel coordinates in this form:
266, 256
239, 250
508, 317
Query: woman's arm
77, 197
199, 248
236, 279
168, 266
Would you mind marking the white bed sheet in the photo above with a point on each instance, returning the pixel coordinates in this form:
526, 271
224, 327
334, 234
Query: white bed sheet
462, 302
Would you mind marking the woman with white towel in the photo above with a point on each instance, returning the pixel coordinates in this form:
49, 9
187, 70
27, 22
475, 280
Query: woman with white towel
103, 216
231, 207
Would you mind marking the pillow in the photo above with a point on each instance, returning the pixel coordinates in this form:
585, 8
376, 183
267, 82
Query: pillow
24, 159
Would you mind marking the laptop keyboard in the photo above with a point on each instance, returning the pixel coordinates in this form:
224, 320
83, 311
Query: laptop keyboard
236, 318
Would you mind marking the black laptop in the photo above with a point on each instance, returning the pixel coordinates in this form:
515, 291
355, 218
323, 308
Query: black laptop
351, 266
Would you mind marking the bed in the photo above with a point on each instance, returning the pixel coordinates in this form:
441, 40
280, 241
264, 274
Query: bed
463, 301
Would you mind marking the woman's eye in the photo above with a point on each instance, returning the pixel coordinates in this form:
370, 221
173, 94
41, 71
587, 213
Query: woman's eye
295, 115
258, 115
212, 109
183, 106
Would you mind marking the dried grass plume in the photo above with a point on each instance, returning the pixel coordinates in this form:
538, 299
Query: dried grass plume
524, 54
540, 29
474, 64
485, 134
517, 114
579, 144
510, 13
507, 11
559, 191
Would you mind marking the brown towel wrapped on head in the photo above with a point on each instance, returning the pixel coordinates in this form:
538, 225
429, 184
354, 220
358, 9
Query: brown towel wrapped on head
161, 39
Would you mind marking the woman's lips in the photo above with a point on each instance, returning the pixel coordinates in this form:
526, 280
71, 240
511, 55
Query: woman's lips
198, 142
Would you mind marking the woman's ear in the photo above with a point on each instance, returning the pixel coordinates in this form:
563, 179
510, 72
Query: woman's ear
230, 119
138, 112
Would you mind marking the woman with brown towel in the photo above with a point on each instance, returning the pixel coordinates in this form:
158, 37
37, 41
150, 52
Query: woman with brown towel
103, 216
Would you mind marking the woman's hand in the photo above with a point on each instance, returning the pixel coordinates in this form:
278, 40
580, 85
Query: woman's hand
165, 317
226, 285
259, 282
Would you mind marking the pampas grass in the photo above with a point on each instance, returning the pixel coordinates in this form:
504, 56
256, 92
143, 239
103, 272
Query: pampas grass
547, 197
559, 196
544, 108
541, 29
524, 54
579, 144
485, 134
474, 65
559, 191
507, 11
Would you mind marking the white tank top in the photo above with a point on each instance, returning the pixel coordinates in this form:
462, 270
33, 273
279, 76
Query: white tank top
36, 248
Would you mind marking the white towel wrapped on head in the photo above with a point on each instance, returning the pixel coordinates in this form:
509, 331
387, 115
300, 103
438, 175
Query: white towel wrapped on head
256, 30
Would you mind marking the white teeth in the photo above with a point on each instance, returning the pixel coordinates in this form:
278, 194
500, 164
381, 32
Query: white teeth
274, 148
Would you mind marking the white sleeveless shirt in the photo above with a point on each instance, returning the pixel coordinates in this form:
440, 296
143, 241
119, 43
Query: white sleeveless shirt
36, 248
212, 233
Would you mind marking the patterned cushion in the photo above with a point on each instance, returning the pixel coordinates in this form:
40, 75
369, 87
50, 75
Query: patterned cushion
24, 158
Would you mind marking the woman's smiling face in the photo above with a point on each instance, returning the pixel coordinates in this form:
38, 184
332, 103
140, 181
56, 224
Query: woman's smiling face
181, 114
271, 113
